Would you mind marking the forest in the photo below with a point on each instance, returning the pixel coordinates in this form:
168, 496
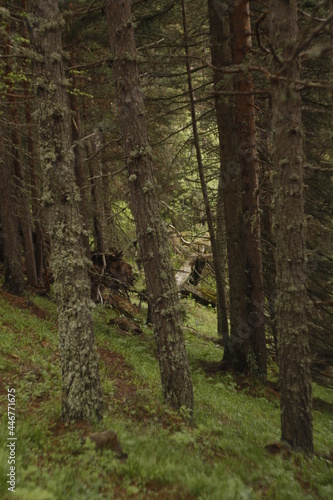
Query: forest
166, 249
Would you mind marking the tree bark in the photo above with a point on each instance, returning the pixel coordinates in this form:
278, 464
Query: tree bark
79, 162
287, 153
247, 152
229, 191
23, 202
81, 390
36, 209
161, 286
14, 279
97, 191
21, 191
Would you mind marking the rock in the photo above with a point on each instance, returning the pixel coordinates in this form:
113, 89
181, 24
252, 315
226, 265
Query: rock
107, 440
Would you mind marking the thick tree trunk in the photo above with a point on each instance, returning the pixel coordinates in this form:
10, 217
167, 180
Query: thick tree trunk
236, 353
287, 152
222, 316
82, 396
247, 152
14, 279
161, 286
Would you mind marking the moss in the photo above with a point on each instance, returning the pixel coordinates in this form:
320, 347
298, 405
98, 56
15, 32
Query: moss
55, 57
148, 187
283, 162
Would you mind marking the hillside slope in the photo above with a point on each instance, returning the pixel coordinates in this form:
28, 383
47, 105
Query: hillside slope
230, 451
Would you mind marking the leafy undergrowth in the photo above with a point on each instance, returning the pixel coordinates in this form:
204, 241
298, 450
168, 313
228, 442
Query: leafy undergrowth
230, 451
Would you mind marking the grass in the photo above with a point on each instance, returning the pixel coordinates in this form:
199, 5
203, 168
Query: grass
221, 456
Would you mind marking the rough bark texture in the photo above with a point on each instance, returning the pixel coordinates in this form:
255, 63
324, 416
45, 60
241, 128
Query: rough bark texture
287, 151
161, 286
82, 397
14, 280
223, 327
236, 353
247, 152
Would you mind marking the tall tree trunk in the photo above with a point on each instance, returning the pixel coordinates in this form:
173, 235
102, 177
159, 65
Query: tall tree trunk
223, 327
81, 390
79, 163
247, 152
36, 209
14, 279
229, 193
35, 203
161, 286
97, 191
222, 256
287, 152
23, 204
21, 191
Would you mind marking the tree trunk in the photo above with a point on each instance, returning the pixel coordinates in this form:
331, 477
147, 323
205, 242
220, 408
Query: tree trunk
97, 191
161, 286
247, 152
79, 162
287, 153
36, 209
23, 204
14, 279
223, 327
21, 191
39, 242
81, 390
229, 193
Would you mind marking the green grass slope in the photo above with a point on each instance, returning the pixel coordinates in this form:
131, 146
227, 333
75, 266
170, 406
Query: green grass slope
223, 455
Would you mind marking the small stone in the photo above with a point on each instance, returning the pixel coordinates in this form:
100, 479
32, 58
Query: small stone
107, 440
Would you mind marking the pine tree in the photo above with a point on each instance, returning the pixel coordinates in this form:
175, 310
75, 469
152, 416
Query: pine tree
81, 390
160, 282
287, 154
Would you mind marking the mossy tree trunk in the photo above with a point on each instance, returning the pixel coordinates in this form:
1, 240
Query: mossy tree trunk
287, 153
81, 390
247, 152
161, 286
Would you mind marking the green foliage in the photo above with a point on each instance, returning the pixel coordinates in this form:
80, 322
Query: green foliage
222, 455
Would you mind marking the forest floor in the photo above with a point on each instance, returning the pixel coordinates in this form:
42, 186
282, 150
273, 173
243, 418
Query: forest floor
230, 451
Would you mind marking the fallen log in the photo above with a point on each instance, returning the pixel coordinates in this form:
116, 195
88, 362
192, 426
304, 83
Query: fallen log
202, 297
